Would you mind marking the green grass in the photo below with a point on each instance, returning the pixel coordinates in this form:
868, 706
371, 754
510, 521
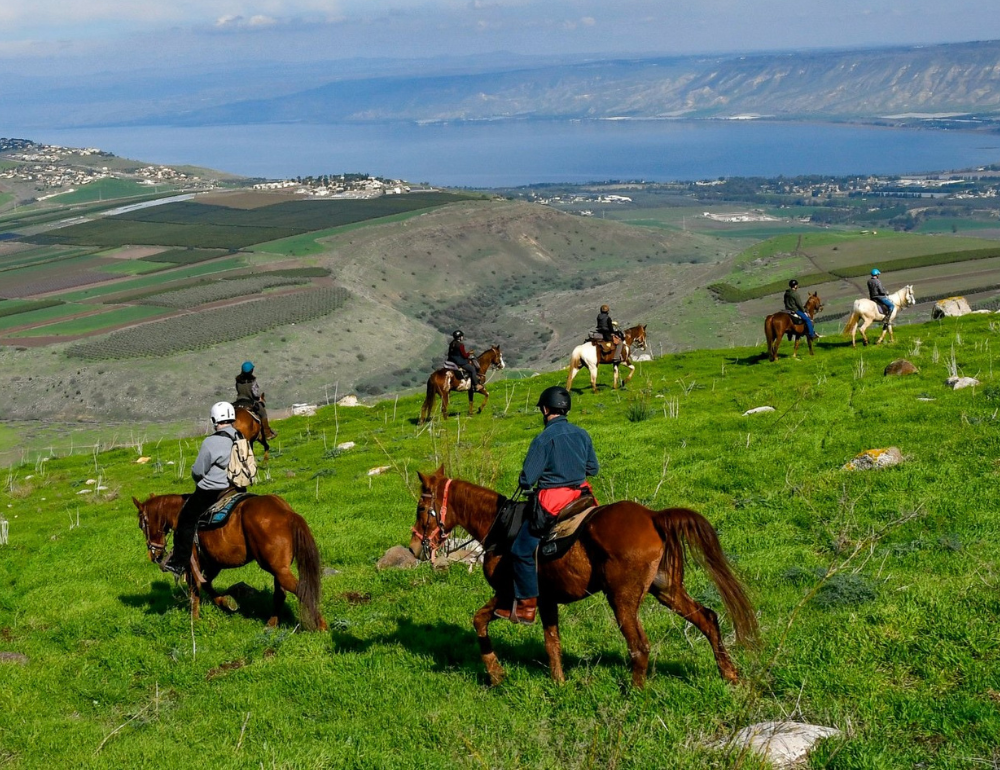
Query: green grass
132, 267
308, 244
109, 189
92, 323
44, 313
898, 648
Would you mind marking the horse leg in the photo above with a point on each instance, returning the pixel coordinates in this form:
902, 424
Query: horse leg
669, 591
444, 404
593, 376
614, 382
284, 581
486, 398
864, 326
481, 622
631, 373
224, 600
626, 608
553, 646
573, 369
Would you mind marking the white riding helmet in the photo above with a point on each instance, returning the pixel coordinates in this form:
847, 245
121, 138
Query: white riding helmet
223, 412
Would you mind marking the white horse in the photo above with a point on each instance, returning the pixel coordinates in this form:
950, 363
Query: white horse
587, 355
870, 311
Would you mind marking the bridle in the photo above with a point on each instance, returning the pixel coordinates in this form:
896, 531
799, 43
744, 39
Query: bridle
497, 363
156, 550
431, 543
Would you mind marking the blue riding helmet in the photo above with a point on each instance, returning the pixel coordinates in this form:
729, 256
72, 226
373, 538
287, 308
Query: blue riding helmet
876, 271
247, 367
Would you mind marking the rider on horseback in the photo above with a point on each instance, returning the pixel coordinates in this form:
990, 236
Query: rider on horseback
463, 358
878, 295
609, 332
559, 460
248, 392
211, 480
793, 304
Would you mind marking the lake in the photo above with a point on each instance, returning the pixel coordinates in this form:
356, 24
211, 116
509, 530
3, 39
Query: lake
510, 153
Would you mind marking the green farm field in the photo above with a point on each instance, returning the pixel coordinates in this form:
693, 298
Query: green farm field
92, 323
876, 592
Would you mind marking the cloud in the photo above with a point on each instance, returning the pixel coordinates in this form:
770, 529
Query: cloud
257, 21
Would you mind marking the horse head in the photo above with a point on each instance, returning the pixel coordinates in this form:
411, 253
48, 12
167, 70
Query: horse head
814, 304
430, 530
636, 337
909, 297
154, 528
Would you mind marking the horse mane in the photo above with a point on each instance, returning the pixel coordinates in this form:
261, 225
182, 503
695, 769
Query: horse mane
165, 507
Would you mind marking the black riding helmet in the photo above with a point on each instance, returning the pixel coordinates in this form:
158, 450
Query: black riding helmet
555, 398
457, 334
792, 284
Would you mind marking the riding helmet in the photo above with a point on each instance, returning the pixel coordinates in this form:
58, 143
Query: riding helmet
457, 334
556, 397
792, 284
223, 412
876, 271
247, 367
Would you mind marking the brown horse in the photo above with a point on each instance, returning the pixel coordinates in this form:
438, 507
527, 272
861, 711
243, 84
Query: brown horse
635, 337
444, 381
261, 528
777, 325
625, 551
250, 427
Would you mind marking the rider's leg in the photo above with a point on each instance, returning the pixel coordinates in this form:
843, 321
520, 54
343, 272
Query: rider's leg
470, 367
887, 309
522, 555
810, 329
264, 424
187, 523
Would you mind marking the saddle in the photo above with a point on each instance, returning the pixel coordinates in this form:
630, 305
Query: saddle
560, 537
451, 366
217, 514
249, 405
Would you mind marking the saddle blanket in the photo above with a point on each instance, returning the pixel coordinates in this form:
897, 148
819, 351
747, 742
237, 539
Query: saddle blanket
218, 512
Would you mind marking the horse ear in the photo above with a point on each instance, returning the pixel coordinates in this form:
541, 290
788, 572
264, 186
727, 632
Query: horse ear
137, 503
440, 470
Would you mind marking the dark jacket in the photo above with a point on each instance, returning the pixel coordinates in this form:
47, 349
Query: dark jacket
457, 353
247, 387
875, 288
605, 325
562, 455
793, 302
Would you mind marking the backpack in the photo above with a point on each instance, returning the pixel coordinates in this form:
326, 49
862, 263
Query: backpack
242, 468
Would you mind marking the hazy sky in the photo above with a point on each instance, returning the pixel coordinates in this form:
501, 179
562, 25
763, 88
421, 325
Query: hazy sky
110, 34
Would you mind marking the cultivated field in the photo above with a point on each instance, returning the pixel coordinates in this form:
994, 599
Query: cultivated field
876, 591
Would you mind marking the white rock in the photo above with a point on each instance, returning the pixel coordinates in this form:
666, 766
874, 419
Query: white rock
642, 357
782, 743
951, 307
85, 491
758, 410
90, 481
349, 401
926, 399
304, 410
379, 470
981, 312
346, 445
957, 383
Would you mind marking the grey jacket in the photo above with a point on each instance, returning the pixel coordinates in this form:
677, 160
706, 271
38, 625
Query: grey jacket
875, 288
209, 469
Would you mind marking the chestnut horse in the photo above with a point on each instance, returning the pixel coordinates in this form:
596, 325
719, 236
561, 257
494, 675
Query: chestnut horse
443, 381
261, 528
624, 551
635, 337
251, 428
777, 325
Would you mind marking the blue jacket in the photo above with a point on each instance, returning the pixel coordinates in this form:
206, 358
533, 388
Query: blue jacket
562, 455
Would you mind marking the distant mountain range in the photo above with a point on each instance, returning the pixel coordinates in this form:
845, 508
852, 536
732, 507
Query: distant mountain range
953, 82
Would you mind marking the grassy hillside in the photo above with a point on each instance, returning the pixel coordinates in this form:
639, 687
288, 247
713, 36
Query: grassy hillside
876, 591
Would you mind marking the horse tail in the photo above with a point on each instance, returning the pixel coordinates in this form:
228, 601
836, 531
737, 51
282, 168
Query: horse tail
852, 322
307, 557
683, 526
428, 406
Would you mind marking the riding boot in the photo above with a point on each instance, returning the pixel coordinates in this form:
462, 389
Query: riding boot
522, 612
